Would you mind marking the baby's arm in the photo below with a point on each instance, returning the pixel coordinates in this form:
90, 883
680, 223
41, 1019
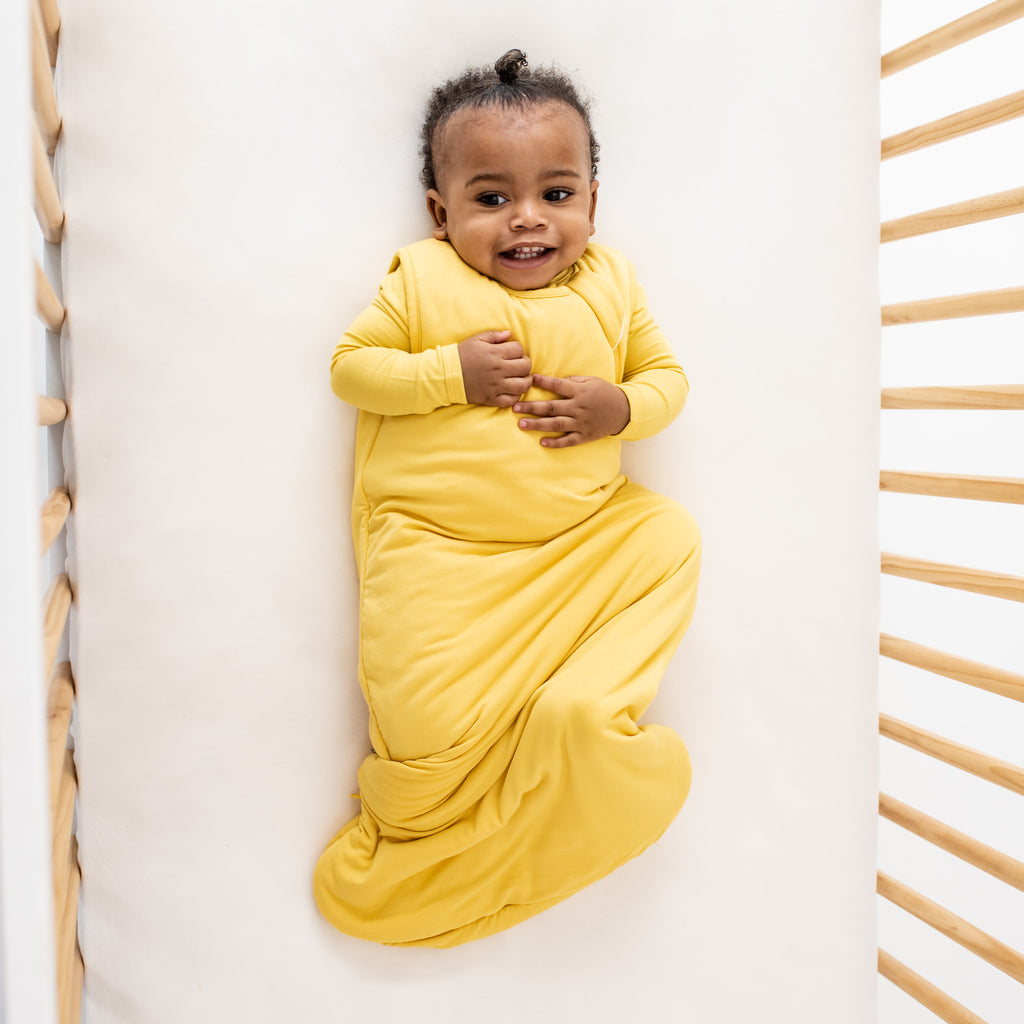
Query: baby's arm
651, 395
373, 367
373, 370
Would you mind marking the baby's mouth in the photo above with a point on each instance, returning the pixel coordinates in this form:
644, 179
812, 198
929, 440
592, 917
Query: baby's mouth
526, 252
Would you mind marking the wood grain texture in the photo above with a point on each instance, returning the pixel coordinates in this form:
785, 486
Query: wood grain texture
977, 581
970, 26
974, 673
48, 306
928, 995
47, 203
59, 700
51, 27
991, 769
963, 122
965, 397
955, 215
971, 851
951, 485
990, 949
44, 99
954, 307
53, 516
56, 605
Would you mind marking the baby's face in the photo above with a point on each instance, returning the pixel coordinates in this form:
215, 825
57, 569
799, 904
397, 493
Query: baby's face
514, 193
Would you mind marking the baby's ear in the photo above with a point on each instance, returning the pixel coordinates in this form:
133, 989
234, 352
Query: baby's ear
593, 203
438, 213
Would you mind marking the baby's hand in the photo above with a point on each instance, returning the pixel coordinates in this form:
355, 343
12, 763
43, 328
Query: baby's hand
590, 408
494, 369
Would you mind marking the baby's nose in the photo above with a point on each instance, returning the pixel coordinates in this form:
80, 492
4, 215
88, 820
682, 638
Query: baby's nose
527, 215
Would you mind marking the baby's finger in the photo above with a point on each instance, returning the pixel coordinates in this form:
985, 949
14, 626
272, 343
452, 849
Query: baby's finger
513, 368
559, 385
509, 350
545, 408
569, 440
548, 424
516, 386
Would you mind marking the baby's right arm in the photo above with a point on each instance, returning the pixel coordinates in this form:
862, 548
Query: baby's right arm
374, 369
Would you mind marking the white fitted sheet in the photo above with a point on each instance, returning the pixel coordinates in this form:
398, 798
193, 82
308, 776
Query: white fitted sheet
236, 177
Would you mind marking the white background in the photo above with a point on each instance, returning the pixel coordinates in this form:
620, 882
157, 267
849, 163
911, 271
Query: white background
236, 177
984, 350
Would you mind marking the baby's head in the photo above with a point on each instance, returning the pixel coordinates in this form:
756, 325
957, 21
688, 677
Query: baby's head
509, 165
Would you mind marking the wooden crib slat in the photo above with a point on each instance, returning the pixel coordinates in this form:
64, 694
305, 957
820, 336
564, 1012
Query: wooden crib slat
51, 26
974, 673
49, 213
974, 396
927, 994
53, 516
48, 306
973, 852
970, 26
952, 485
51, 411
955, 215
963, 122
44, 99
954, 307
59, 700
56, 605
67, 939
990, 949
71, 1006
992, 769
63, 819
977, 581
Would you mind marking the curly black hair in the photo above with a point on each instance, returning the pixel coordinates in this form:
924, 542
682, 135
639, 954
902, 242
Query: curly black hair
510, 83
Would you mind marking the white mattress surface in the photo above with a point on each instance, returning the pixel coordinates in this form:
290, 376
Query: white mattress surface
236, 177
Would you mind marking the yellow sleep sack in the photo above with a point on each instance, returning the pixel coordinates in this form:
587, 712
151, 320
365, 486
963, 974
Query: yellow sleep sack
518, 608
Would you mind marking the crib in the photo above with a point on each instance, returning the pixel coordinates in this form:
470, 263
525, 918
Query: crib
216, 192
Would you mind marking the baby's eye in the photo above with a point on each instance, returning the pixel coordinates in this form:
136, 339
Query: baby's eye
557, 195
491, 199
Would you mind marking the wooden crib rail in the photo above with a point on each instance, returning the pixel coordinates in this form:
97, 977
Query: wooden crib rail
954, 307
952, 485
927, 994
45, 23
975, 396
49, 213
51, 411
51, 27
991, 769
978, 581
947, 167
955, 215
963, 122
48, 306
973, 673
970, 26
43, 94
997, 953
973, 852
53, 516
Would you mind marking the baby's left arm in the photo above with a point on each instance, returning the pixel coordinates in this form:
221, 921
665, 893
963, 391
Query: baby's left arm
652, 393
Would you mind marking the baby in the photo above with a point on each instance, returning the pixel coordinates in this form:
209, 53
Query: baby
519, 601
